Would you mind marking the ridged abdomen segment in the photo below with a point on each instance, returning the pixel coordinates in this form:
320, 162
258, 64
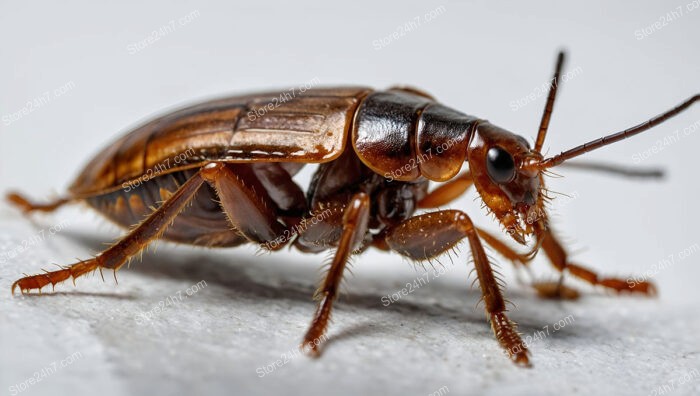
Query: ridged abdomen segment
403, 135
203, 222
200, 223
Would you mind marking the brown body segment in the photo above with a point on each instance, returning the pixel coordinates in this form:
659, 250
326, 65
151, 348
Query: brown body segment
308, 127
404, 134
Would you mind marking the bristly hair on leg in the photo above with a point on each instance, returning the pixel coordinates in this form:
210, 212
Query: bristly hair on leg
343, 287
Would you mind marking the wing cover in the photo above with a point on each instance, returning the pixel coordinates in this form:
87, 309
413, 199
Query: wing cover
283, 126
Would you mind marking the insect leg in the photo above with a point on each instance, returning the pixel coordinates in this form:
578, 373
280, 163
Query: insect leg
355, 223
249, 212
505, 250
431, 234
27, 206
524, 259
560, 260
132, 243
447, 192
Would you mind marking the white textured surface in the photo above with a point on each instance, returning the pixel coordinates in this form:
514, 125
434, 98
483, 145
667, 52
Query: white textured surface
477, 57
253, 310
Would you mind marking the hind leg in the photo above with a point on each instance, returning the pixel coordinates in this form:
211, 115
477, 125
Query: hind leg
132, 243
27, 206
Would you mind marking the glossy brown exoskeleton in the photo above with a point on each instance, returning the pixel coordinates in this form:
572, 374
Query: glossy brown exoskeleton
220, 174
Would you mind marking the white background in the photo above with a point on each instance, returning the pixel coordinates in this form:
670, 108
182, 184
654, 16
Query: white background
477, 57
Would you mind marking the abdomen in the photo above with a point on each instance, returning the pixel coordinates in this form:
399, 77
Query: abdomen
201, 223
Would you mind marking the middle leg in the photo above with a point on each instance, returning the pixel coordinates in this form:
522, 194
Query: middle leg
355, 220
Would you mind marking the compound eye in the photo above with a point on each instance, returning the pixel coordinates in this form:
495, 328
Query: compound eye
500, 165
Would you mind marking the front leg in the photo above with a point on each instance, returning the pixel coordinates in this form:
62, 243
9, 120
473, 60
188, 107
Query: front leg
429, 235
544, 289
560, 260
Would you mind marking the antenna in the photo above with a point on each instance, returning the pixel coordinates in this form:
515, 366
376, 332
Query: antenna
615, 137
544, 123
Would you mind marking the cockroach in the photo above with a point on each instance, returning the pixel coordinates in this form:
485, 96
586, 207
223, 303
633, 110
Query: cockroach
220, 174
